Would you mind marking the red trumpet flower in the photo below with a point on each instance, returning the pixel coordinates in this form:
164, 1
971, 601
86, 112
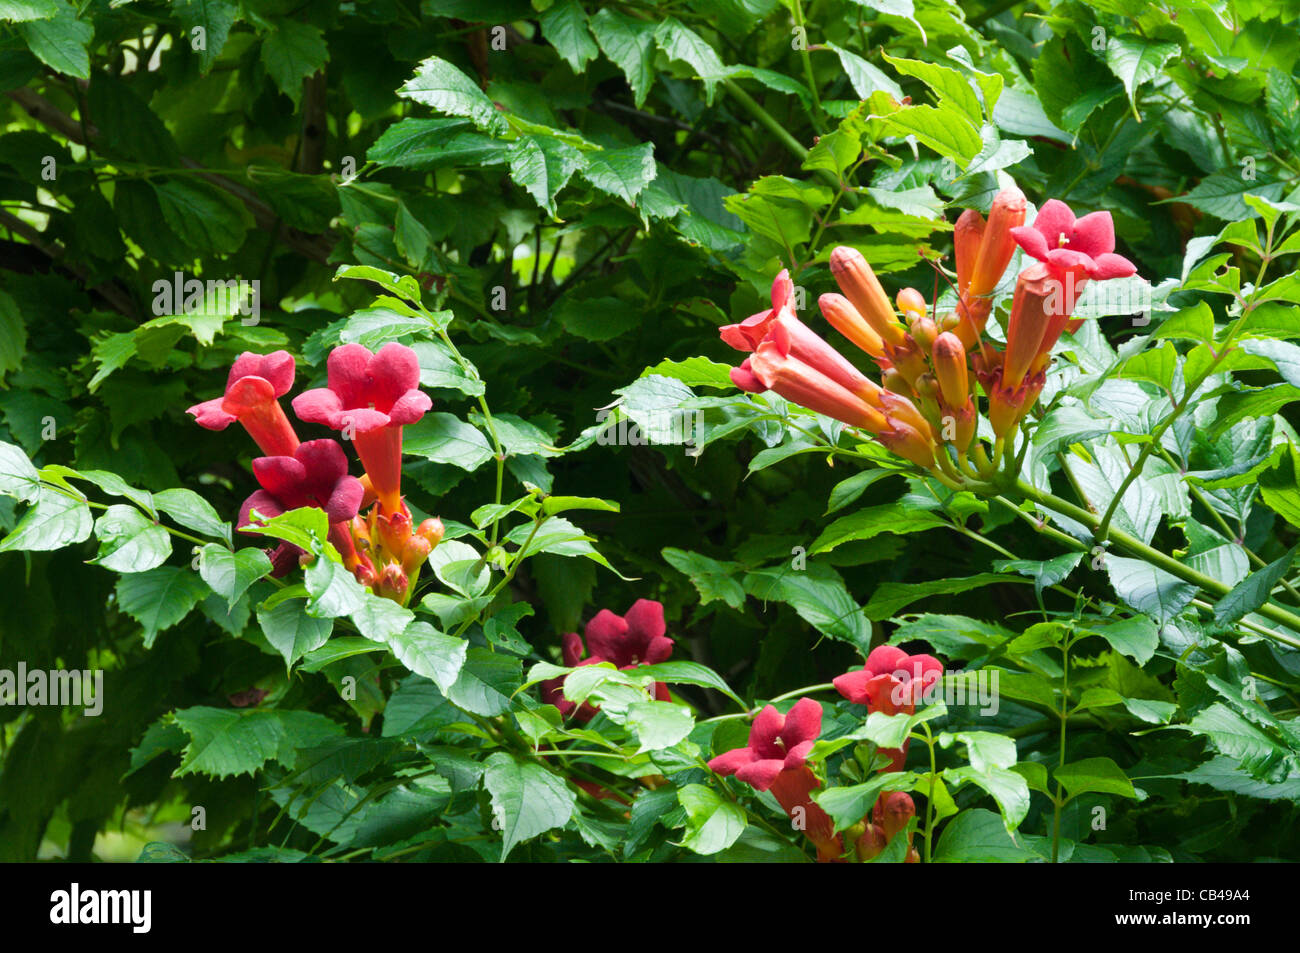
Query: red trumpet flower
1064, 244
253, 388
893, 682
776, 760
373, 396
315, 475
628, 641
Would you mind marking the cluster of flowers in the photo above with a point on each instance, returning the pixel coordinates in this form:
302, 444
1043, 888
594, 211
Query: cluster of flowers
369, 397
928, 395
776, 757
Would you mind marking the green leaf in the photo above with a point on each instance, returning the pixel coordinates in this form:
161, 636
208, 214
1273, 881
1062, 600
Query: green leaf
334, 590
1135, 61
1284, 355
55, 520
226, 743
428, 652
193, 512
713, 580
60, 42
230, 574
291, 52
565, 27
1138, 637
979, 836
871, 521
679, 42
1100, 775
948, 84
1045, 573
629, 45
442, 86
713, 823
819, 596
1253, 591
946, 131
527, 800
159, 598
889, 597
689, 673
849, 804
1149, 589
335, 650
1007, 788
129, 541
486, 682
542, 165
207, 219
306, 527
659, 724
863, 76
622, 173
18, 477
444, 438
291, 631
1280, 486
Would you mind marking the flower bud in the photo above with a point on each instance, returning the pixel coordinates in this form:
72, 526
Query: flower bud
910, 300
949, 359
431, 530
860, 286
924, 330
892, 812
997, 244
871, 843
907, 442
415, 553
966, 237
393, 531
846, 319
392, 583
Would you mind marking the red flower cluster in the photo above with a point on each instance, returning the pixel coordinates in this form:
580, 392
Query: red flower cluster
891, 682
369, 398
929, 367
776, 760
627, 641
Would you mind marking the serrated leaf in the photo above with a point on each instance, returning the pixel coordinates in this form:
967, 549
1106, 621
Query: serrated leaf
527, 799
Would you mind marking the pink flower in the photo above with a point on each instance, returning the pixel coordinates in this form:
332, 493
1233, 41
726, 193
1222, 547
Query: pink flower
891, 682
748, 334
315, 475
777, 743
627, 641
253, 389
372, 395
1066, 244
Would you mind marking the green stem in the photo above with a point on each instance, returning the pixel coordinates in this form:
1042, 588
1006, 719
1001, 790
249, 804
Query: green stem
1157, 558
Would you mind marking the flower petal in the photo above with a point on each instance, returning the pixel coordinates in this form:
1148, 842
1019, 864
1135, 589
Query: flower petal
760, 774
210, 415
798, 755
345, 501
1031, 240
1111, 266
765, 731
572, 649
659, 650
605, 634
392, 372
1094, 234
409, 408
278, 368
645, 620
348, 368
885, 660
803, 723
318, 406
283, 478
731, 761
246, 394
1054, 220
853, 685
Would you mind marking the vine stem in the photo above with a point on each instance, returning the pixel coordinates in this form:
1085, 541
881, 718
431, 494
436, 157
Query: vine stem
1157, 558
1189, 391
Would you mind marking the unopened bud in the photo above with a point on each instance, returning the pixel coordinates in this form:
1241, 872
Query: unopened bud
949, 359
861, 287
966, 236
846, 319
910, 300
